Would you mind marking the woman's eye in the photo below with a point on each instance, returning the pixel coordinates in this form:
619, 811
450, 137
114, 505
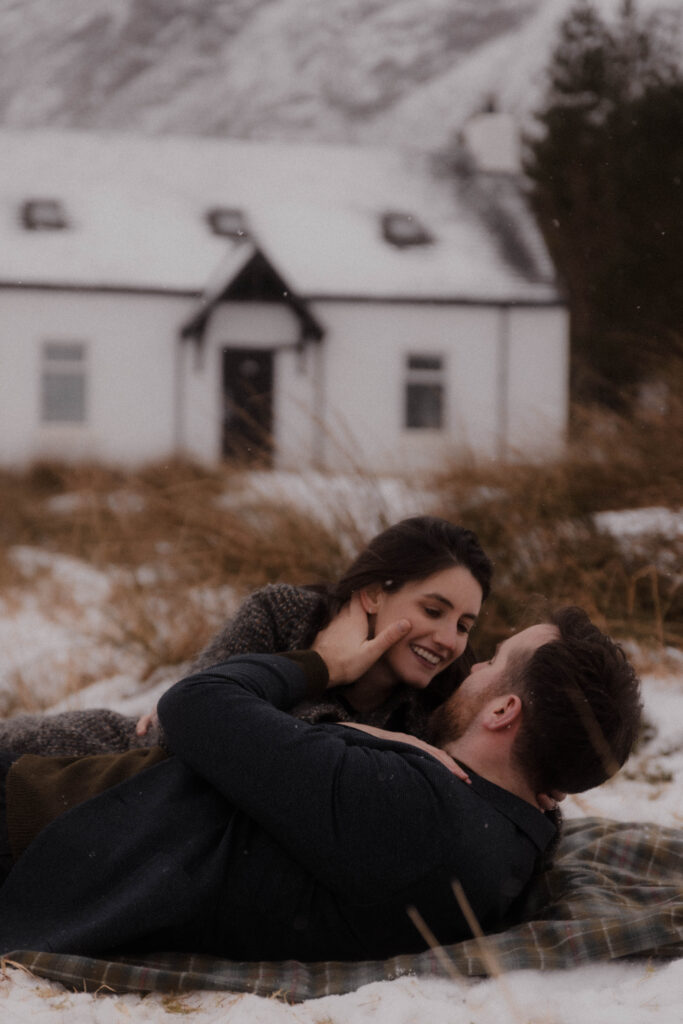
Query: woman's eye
433, 613
463, 627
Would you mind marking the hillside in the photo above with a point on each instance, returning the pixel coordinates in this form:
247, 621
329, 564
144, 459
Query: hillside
393, 71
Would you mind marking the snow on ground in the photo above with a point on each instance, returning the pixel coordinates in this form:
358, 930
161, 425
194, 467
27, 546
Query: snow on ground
601, 994
365, 504
636, 522
32, 636
635, 530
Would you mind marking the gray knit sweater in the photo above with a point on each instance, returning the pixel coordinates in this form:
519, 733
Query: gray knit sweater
275, 619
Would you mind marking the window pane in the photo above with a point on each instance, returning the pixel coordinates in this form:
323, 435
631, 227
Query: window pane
403, 229
425, 363
224, 220
43, 215
63, 398
424, 405
60, 350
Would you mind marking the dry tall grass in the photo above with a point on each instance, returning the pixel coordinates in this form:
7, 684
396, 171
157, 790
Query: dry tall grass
168, 534
537, 523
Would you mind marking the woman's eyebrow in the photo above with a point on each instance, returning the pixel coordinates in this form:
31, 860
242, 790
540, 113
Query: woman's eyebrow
449, 604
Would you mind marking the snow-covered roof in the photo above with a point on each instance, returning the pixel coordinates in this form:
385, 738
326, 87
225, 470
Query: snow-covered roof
137, 207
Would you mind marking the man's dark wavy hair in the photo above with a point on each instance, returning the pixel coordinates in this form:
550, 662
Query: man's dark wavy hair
581, 707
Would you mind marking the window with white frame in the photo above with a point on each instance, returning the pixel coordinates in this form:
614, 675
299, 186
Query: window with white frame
44, 215
425, 392
63, 374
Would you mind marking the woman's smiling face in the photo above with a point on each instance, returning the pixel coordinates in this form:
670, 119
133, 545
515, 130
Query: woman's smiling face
442, 609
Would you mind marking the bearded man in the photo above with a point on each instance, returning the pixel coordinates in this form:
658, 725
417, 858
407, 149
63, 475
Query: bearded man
262, 837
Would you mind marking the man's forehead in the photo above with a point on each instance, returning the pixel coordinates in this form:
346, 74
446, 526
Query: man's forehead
532, 637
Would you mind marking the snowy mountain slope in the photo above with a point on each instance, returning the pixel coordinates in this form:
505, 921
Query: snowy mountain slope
241, 67
395, 71
506, 71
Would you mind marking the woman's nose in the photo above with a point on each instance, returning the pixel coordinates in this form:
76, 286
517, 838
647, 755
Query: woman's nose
451, 639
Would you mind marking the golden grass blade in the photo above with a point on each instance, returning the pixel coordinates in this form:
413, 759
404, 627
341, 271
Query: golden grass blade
491, 961
431, 940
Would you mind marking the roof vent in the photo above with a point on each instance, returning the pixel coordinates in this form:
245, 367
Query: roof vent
44, 215
227, 222
404, 230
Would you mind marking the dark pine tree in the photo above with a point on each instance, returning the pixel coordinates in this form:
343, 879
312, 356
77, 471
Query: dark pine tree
606, 174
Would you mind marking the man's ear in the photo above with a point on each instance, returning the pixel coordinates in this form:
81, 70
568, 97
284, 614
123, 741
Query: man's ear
503, 712
371, 598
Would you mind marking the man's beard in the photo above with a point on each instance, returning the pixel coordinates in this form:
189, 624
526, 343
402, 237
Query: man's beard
446, 723
452, 719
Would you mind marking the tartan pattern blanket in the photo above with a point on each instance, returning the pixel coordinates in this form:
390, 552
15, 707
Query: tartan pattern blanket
615, 890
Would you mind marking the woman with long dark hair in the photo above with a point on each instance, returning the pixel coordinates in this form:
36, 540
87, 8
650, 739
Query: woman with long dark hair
424, 570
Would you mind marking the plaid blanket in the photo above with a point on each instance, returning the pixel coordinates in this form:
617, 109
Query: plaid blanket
615, 890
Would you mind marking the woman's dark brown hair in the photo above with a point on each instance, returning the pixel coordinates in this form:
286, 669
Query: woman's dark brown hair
412, 550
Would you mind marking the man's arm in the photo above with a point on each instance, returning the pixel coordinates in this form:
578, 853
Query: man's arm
359, 813
412, 741
278, 617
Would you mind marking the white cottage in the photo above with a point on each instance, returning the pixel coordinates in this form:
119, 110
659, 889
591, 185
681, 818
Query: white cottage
324, 305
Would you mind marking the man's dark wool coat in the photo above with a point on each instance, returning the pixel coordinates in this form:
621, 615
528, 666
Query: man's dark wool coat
266, 838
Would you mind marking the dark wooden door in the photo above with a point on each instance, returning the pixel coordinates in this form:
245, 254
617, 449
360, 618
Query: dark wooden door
247, 405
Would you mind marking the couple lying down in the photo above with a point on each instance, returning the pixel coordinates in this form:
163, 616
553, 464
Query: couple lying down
323, 780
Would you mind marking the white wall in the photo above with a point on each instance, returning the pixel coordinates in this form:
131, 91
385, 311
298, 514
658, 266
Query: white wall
505, 376
130, 394
538, 382
338, 404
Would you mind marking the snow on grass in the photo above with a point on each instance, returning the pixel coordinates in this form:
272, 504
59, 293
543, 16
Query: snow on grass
366, 503
653, 534
637, 522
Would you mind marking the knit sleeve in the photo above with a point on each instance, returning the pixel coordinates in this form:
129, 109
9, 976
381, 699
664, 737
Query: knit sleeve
277, 618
